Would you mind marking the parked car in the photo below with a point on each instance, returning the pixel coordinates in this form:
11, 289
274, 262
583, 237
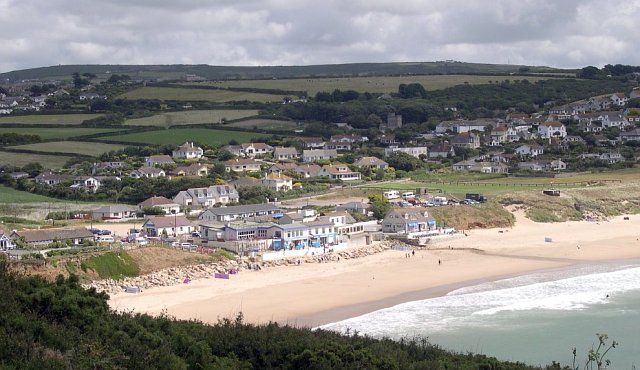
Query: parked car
104, 239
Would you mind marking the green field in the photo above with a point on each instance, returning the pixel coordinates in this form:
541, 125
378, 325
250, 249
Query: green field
180, 135
377, 84
21, 159
112, 265
265, 124
191, 117
51, 119
218, 96
9, 195
56, 133
73, 147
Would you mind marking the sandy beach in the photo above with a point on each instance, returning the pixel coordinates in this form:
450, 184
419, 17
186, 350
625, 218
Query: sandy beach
315, 294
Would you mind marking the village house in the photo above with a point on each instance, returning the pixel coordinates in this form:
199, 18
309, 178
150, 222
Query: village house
242, 165
187, 151
600, 102
114, 212
530, 150
313, 155
612, 119
611, 157
442, 150
165, 226
551, 129
44, 237
18, 175
572, 139
532, 166
311, 142
50, 178
281, 153
158, 160
277, 182
388, 139
147, 172
416, 151
196, 198
407, 220
339, 171
351, 139
232, 213
633, 135
338, 145
462, 126
90, 183
199, 170
619, 99
308, 170
372, 162
468, 140
498, 136
250, 150
632, 115
6, 244
165, 205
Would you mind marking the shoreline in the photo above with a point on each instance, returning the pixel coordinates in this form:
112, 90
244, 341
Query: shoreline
320, 293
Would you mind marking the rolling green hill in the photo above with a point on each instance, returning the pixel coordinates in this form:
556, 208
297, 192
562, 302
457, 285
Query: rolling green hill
256, 72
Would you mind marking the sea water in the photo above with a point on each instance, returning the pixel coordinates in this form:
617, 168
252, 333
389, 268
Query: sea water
537, 318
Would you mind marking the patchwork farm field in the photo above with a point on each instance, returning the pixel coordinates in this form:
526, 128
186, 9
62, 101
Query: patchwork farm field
374, 84
191, 117
56, 133
71, 147
218, 96
265, 124
50, 119
180, 135
21, 159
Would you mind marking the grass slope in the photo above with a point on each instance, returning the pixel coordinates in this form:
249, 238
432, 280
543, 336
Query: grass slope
60, 119
217, 96
180, 135
373, 84
265, 124
112, 265
21, 159
74, 147
10, 195
191, 117
56, 133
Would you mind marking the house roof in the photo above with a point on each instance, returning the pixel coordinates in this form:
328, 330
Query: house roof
149, 170
169, 221
552, 124
285, 150
156, 201
187, 146
320, 152
370, 161
160, 159
241, 161
33, 236
247, 208
114, 208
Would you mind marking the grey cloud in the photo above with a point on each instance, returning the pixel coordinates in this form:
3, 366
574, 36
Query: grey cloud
566, 33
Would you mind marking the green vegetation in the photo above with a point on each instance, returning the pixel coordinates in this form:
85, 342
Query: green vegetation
465, 217
191, 117
10, 195
180, 135
50, 119
71, 147
22, 159
266, 124
60, 325
185, 94
373, 84
111, 265
55, 133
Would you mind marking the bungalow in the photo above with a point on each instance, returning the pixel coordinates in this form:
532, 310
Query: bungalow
159, 160
339, 171
5, 242
231, 213
167, 226
633, 135
49, 178
530, 150
277, 182
531, 166
281, 153
372, 162
612, 119
187, 151
242, 165
282, 167
250, 150
166, 205
312, 155
554, 165
388, 139
245, 182
311, 142
407, 220
43, 237
147, 172
88, 183
194, 170
619, 99
611, 157
18, 175
113, 212
551, 129
442, 150
412, 151
600, 102
207, 197
308, 170
572, 139
351, 139
338, 145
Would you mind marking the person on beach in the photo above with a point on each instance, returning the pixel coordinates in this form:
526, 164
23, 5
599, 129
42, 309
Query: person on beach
413, 253
439, 262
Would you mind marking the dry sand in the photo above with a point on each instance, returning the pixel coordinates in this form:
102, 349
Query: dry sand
315, 294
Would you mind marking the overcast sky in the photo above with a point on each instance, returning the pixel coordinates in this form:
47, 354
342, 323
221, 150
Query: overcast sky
560, 33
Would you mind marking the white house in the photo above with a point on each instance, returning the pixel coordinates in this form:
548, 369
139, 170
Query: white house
147, 172
159, 160
415, 151
612, 119
168, 226
281, 153
339, 171
312, 155
277, 182
551, 129
114, 212
188, 151
166, 205
531, 150
207, 197
619, 99
5, 242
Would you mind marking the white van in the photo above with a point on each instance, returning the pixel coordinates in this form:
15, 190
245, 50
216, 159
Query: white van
439, 201
391, 194
408, 195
